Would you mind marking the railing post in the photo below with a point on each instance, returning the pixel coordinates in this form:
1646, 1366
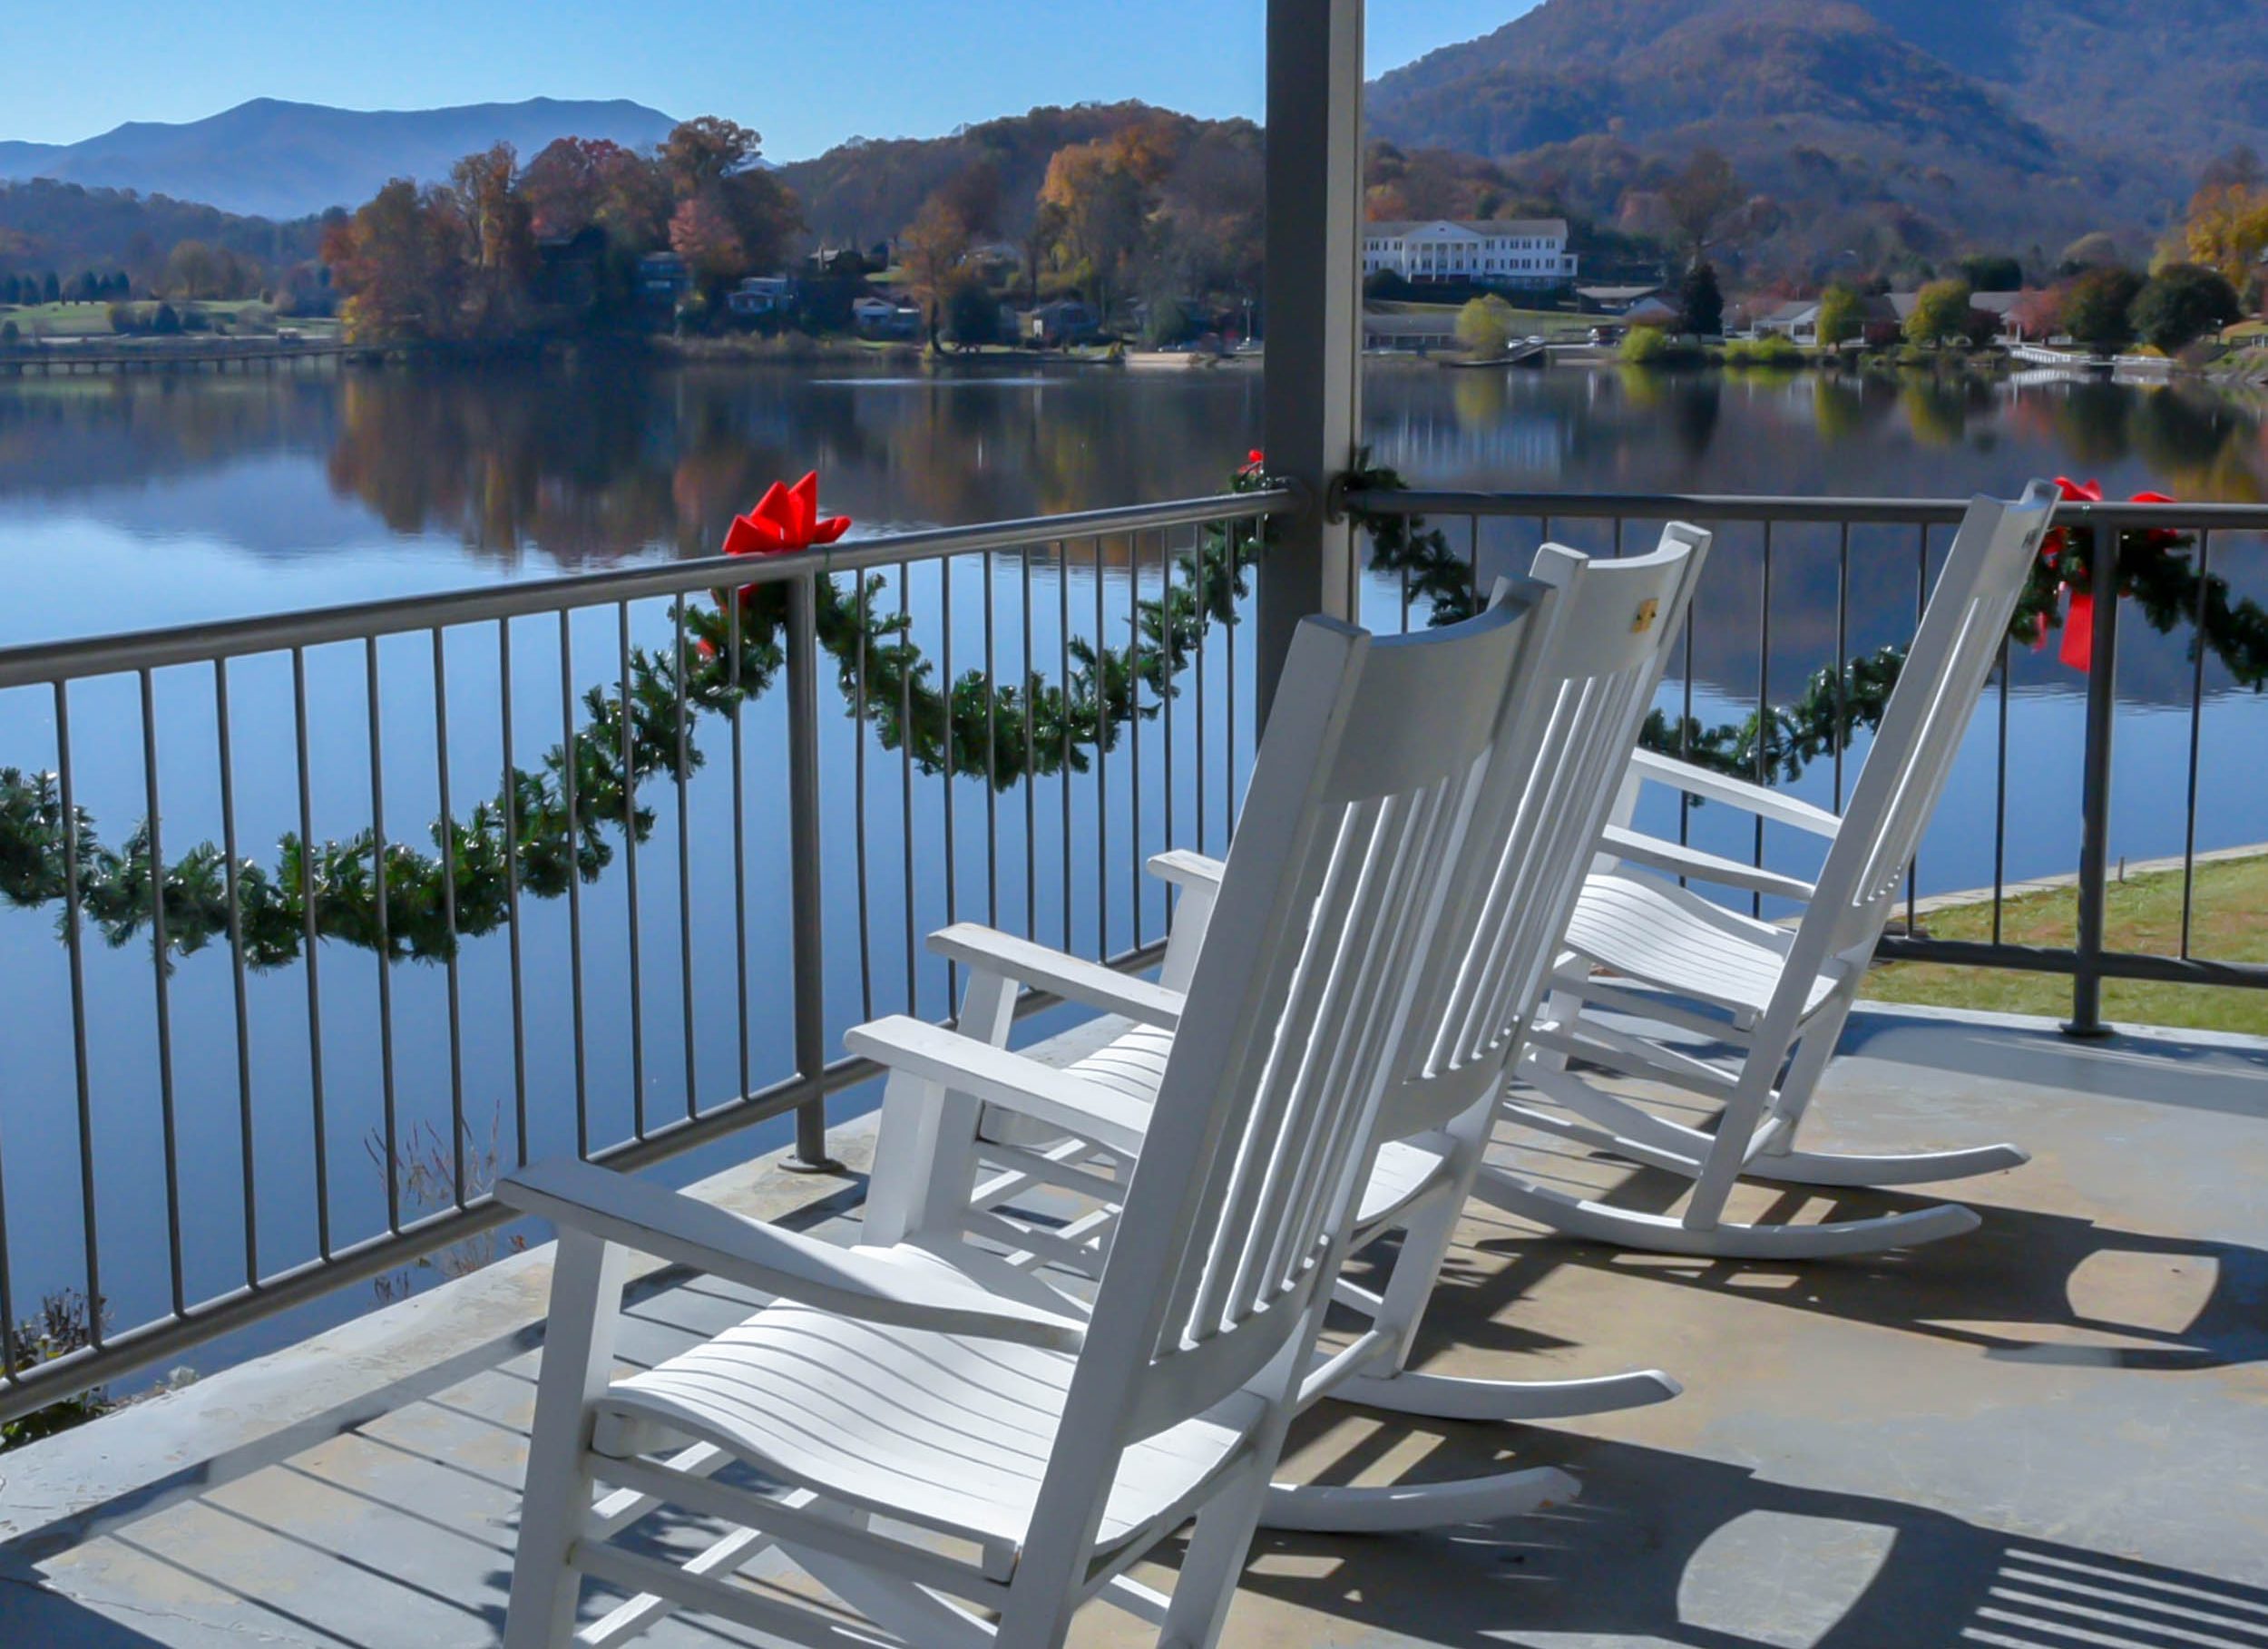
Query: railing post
2102, 709
807, 914
1312, 296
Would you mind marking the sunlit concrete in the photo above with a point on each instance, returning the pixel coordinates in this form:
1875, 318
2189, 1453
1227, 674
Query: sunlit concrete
2052, 1433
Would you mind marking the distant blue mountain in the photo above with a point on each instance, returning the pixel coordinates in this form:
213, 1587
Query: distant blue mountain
283, 160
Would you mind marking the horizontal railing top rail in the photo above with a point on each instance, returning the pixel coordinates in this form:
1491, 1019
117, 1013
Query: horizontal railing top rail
1769, 507
42, 663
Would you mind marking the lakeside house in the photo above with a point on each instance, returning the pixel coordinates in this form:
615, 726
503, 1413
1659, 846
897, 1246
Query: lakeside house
1495, 251
1066, 320
884, 318
663, 278
762, 295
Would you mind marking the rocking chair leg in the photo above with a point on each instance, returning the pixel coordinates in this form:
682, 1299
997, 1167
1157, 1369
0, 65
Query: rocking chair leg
1449, 1397
1219, 1544
1401, 1508
586, 1279
1661, 1234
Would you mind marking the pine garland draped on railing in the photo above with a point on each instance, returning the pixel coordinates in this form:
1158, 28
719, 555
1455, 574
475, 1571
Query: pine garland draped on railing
1005, 733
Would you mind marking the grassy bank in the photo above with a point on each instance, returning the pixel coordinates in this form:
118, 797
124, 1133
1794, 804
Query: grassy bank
2230, 923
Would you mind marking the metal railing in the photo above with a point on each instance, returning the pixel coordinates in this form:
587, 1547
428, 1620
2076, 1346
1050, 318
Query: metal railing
2087, 959
231, 1120
276, 1138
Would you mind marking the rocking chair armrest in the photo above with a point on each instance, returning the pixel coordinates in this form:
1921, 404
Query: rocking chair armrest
997, 1076
1072, 978
1677, 859
1770, 805
1185, 869
872, 1284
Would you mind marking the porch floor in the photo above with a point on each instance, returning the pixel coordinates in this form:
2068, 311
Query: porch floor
2052, 1434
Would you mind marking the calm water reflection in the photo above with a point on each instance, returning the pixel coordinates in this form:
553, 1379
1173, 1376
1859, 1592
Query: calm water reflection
132, 502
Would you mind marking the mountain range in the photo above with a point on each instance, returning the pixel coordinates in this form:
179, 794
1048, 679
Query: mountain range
272, 158
1882, 124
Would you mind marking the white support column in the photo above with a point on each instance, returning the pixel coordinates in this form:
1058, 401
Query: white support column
1312, 417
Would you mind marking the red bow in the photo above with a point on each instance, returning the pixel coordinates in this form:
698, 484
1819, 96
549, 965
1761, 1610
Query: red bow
1254, 461
784, 518
2077, 651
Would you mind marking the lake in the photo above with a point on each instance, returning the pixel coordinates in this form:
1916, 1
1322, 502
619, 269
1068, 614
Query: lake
149, 501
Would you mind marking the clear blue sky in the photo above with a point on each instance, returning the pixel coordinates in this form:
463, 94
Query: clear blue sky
807, 75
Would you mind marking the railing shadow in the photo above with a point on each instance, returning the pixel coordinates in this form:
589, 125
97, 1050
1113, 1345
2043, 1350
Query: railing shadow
1666, 1549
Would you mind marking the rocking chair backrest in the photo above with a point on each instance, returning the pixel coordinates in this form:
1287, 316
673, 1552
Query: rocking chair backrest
1921, 733
1375, 754
1537, 821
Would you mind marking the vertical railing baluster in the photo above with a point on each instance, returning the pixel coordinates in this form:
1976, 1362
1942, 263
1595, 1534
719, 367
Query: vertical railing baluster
952, 858
1134, 734
1842, 657
858, 803
1204, 576
511, 798
1685, 721
2196, 732
162, 970
1102, 771
679, 674
806, 837
906, 773
448, 911
628, 756
224, 752
382, 917
740, 840
1921, 606
992, 755
310, 940
1763, 763
572, 747
1063, 761
1030, 770
1999, 803
1170, 644
73, 930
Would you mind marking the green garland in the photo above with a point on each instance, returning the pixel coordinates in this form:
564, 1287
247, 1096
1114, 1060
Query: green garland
554, 824
1784, 739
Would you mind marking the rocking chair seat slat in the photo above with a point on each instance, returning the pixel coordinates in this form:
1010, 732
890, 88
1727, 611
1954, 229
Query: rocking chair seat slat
1652, 929
948, 1433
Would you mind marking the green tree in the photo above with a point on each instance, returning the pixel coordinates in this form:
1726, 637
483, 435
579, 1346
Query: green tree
1842, 316
2183, 303
1992, 272
972, 312
9, 332
1484, 327
2099, 310
1940, 312
1701, 301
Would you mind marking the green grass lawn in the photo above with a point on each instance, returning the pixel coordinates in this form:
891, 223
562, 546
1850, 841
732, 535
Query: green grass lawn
58, 320
2229, 924
1544, 323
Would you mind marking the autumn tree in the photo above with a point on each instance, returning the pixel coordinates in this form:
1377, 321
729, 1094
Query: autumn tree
731, 215
1701, 196
1842, 316
933, 248
500, 240
1940, 313
1484, 327
400, 262
2227, 231
1102, 193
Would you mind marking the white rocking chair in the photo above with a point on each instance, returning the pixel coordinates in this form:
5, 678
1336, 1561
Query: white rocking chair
1641, 946
959, 1452
1533, 834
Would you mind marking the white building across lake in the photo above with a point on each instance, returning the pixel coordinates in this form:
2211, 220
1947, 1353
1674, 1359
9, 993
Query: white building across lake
1508, 251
